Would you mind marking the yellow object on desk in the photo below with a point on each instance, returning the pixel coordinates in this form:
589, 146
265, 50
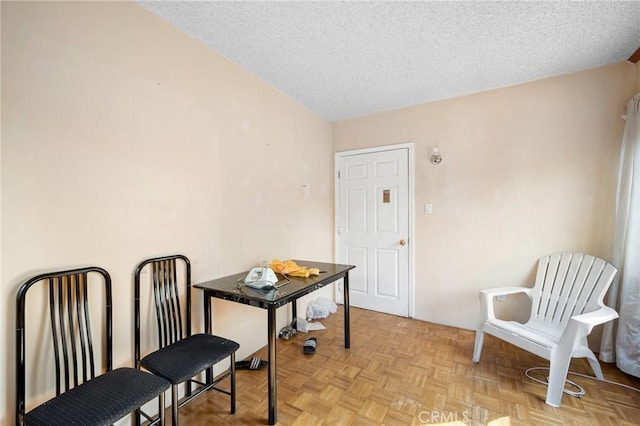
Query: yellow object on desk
291, 268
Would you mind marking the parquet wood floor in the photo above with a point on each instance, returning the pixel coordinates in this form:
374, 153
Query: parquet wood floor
401, 371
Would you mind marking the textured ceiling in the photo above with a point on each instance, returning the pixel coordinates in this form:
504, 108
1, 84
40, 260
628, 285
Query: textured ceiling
348, 59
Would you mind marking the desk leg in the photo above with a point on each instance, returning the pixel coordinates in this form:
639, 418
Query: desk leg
294, 313
207, 328
345, 296
271, 378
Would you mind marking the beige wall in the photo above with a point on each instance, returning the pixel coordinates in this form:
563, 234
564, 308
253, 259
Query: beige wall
122, 138
527, 171
117, 125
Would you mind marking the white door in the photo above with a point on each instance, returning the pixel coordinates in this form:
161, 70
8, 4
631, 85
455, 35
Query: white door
373, 228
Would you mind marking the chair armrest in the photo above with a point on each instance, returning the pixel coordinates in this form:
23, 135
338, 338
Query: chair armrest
503, 291
487, 296
591, 319
581, 325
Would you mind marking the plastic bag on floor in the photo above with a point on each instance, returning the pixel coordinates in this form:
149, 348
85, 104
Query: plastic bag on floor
321, 308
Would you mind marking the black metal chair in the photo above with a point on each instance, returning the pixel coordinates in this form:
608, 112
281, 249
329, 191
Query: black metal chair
180, 355
88, 390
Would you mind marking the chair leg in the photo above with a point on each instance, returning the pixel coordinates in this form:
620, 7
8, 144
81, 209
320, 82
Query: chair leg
233, 383
595, 365
584, 352
174, 405
161, 408
558, 368
477, 347
137, 417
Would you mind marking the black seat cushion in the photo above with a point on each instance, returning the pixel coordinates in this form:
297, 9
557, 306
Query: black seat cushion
100, 401
186, 358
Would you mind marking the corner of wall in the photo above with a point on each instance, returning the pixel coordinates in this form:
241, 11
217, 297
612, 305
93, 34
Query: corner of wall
4, 318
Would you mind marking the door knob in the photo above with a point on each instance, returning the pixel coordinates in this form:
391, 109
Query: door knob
403, 243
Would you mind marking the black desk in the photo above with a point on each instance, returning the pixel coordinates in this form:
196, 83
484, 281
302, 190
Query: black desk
228, 288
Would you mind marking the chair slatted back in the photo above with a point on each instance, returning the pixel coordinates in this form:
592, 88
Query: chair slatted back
166, 282
568, 284
74, 350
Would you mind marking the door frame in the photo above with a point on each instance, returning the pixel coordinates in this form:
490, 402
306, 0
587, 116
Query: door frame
411, 230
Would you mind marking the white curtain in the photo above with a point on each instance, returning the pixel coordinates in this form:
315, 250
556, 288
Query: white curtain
621, 341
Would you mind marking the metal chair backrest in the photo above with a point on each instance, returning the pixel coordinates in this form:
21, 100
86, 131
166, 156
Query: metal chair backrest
166, 280
80, 352
568, 284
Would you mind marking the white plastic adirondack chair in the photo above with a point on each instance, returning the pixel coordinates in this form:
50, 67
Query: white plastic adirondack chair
566, 303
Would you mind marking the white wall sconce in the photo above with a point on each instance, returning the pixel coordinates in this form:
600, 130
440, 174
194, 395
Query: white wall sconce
436, 158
